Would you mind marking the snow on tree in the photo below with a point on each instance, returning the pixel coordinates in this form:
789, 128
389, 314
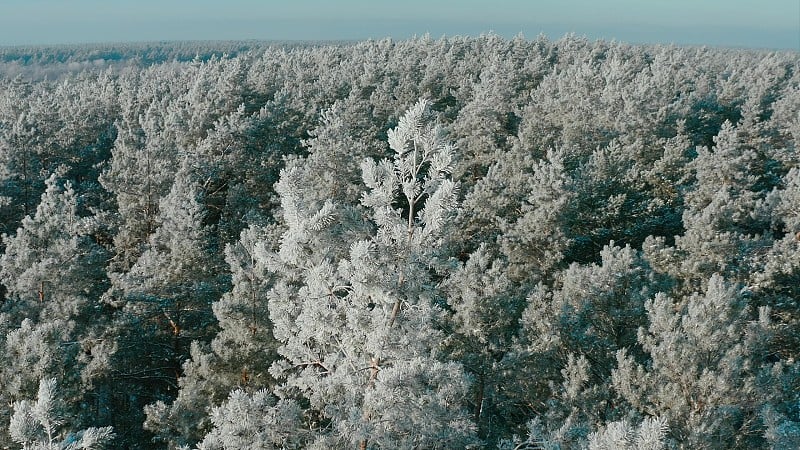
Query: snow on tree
485, 124
356, 307
164, 302
224, 253
649, 434
535, 243
175, 279
570, 333
52, 319
705, 371
238, 357
486, 307
726, 219
37, 425
256, 421
51, 265
139, 174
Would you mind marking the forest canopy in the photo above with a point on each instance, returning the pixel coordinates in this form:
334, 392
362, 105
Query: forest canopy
453, 243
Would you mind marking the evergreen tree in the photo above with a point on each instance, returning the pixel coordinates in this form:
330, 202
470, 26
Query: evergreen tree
356, 305
649, 434
571, 332
705, 373
139, 174
536, 242
164, 302
486, 307
256, 421
775, 285
52, 266
485, 124
358, 326
52, 320
37, 424
238, 357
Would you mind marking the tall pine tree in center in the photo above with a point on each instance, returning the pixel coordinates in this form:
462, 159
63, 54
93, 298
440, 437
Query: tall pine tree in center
356, 305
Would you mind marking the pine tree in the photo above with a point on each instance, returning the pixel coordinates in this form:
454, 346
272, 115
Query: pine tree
343, 138
705, 372
256, 421
725, 219
486, 307
358, 326
164, 302
609, 202
570, 333
775, 285
52, 266
649, 434
20, 163
485, 125
238, 357
52, 320
139, 174
535, 243
37, 425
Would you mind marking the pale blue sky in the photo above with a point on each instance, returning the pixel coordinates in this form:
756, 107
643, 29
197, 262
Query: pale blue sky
739, 23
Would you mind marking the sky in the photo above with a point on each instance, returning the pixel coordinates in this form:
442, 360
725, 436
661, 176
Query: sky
732, 23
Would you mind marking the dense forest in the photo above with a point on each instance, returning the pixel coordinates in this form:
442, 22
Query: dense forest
422, 244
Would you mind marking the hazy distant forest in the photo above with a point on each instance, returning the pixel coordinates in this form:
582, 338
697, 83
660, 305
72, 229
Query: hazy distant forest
425, 244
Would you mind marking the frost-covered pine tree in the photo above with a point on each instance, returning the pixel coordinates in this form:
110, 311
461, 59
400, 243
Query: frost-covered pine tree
345, 136
173, 282
485, 308
257, 421
609, 201
39, 424
776, 285
140, 171
20, 166
52, 323
535, 242
356, 305
52, 266
569, 335
705, 370
164, 302
726, 220
47, 126
486, 123
238, 357
649, 434
244, 348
